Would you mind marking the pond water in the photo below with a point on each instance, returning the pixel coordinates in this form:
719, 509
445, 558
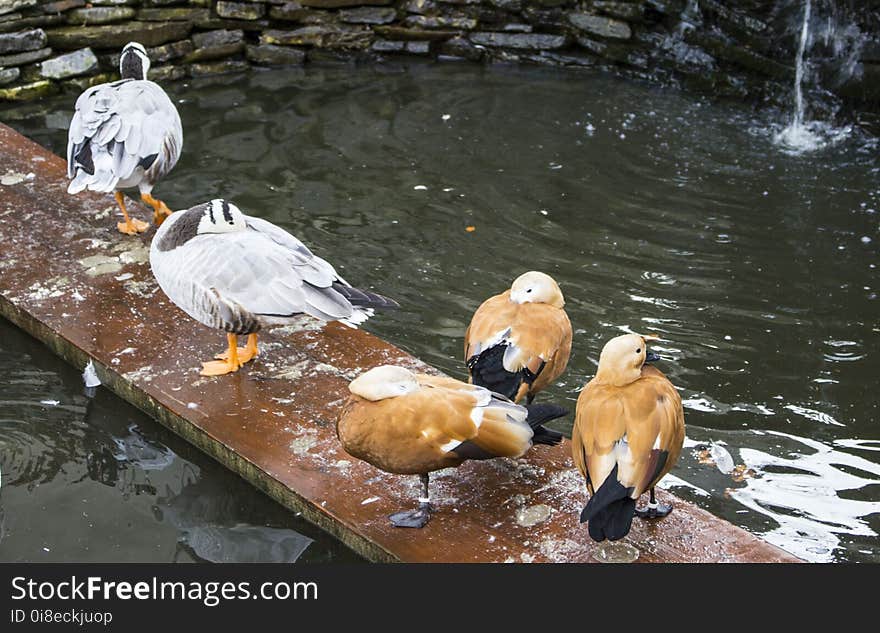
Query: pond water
656, 211
92, 479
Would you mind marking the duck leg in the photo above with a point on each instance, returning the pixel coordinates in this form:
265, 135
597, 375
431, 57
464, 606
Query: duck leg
654, 510
228, 365
246, 353
129, 227
160, 210
415, 518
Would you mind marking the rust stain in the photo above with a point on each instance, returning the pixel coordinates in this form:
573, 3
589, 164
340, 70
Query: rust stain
71, 280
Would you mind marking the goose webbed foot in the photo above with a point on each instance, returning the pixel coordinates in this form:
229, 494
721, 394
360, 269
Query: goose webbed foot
417, 518
132, 227
245, 354
219, 367
229, 364
160, 209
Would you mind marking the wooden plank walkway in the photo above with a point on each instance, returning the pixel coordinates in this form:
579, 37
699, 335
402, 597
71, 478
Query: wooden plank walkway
70, 280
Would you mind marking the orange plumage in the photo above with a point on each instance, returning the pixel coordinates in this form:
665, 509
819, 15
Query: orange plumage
628, 433
519, 341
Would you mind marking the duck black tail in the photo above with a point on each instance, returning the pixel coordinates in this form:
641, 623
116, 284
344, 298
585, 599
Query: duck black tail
540, 413
487, 370
363, 299
610, 510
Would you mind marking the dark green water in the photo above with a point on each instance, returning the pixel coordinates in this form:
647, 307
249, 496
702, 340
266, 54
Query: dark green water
94, 479
656, 212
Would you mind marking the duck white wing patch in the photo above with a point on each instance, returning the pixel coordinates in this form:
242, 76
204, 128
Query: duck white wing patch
477, 416
499, 337
450, 445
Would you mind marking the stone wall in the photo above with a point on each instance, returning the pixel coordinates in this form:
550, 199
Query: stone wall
736, 48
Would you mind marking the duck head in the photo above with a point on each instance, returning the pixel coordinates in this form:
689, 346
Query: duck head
385, 381
536, 287
623, 357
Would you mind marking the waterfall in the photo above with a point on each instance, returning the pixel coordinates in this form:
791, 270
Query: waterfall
798, 120
801, 136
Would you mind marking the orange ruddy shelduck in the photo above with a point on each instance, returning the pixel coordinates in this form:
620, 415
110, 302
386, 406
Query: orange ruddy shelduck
519, 342
628, 433
409, 423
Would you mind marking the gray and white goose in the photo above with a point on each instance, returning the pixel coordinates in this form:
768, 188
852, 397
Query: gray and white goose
125, 134
238, 273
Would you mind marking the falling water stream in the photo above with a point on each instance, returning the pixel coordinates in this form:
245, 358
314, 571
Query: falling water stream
802, 136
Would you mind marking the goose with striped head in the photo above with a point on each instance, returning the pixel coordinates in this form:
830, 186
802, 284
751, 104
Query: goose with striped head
125, 134
628, 433
239, 273
519, 341
413, 424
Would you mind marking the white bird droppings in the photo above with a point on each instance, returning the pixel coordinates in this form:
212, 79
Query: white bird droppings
533, 515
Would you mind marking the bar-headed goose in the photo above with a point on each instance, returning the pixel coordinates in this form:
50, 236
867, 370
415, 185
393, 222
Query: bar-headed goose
238, 273
409, 424
628, 433
519, 342
125, 134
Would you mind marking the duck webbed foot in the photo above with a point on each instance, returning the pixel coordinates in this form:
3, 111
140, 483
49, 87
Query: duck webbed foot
412, 518
419, 517
653, 510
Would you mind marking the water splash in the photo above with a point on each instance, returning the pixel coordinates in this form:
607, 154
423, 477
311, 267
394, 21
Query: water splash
800, 136
799, 491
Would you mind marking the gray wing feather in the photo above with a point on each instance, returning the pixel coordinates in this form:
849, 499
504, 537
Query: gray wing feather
251, 270
311, 269
124, 123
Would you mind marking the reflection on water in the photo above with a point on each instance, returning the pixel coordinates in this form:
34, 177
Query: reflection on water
657, 212
92, 479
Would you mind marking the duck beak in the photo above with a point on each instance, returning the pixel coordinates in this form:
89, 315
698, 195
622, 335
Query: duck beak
651, 357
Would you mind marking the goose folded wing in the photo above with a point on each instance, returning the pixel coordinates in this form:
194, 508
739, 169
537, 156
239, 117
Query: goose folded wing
312, 269
263, 278
128, 120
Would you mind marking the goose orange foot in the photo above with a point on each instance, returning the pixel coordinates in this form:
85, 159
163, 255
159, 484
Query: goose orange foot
130, 226
246, 353
228, 365
160, 209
